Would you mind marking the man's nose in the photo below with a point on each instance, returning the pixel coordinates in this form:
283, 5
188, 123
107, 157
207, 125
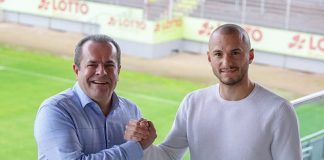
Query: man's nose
227, 60
101, 70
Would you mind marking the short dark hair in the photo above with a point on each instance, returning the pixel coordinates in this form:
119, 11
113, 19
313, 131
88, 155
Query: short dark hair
233, 28
101, 38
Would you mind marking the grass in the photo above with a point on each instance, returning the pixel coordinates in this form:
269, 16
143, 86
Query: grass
311, 117
27, 78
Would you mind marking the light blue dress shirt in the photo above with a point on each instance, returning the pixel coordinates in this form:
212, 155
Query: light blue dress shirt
70, 125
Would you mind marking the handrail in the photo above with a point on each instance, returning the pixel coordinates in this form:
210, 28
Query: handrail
313, 135
308, 98
310, 141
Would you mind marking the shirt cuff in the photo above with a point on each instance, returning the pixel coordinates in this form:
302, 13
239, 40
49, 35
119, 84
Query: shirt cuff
133, 149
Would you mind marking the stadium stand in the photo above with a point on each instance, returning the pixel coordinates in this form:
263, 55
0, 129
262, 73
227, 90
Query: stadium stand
128, 3
304, 16
154, 9
184, 7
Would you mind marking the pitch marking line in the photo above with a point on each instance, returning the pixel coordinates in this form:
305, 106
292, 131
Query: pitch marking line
65, 80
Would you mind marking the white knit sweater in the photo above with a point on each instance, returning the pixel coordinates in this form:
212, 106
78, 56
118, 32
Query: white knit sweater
262, 126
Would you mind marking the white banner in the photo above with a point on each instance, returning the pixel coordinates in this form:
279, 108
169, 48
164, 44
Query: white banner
262, 38
76, 10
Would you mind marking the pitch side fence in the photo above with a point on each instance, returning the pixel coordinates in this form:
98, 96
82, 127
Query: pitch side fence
313, 144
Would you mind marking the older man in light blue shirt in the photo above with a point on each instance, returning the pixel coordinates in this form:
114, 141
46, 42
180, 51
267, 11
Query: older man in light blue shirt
88, 121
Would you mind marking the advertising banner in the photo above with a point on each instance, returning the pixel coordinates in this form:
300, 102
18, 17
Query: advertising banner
75, 10
262, 38
128, 23
117, 21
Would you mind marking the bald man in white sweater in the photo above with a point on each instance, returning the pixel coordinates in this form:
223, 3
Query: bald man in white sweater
236, 119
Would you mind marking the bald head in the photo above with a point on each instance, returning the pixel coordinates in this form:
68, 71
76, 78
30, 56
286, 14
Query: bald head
231, 29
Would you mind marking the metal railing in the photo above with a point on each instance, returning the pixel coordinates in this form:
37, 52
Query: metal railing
313, 144
309, 98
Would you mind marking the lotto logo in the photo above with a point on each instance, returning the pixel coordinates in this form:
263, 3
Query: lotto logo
69, 6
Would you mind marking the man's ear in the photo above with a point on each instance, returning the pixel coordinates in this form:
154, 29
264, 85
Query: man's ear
119, 67
251, 55
209, 60
76, 70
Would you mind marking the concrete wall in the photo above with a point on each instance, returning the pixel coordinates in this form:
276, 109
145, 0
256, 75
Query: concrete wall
50, 23
291, 62
147, 50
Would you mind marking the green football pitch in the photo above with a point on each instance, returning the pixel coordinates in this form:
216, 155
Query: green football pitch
27, 78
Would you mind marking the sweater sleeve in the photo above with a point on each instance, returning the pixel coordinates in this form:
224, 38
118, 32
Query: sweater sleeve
176, 143
286, 142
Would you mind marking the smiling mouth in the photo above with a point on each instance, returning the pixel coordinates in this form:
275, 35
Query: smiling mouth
100, 82
228, 70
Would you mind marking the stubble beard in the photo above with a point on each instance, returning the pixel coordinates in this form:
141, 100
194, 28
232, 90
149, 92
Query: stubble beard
230, 81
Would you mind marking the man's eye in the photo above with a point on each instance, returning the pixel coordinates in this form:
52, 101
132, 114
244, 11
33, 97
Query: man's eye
110, 65
217, 54
91, 65
235, 53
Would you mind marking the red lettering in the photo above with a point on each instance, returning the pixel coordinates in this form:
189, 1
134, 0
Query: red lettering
112, 21
298, 42
205, 30
311, 44
320, 44
254, 33
248, 29
53, 5
43, 4
71, 6
62, 5
125, 23
257, 35
140, 25
84, 8
128, 23
165, 25
157, 27
179, 22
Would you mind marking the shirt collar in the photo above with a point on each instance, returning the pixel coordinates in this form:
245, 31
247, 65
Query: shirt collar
115, 101
84, 99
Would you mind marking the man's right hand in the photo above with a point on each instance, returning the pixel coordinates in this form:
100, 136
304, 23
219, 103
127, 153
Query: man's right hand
142, 131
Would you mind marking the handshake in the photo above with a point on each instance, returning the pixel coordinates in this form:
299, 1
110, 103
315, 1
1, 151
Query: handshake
142, 131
